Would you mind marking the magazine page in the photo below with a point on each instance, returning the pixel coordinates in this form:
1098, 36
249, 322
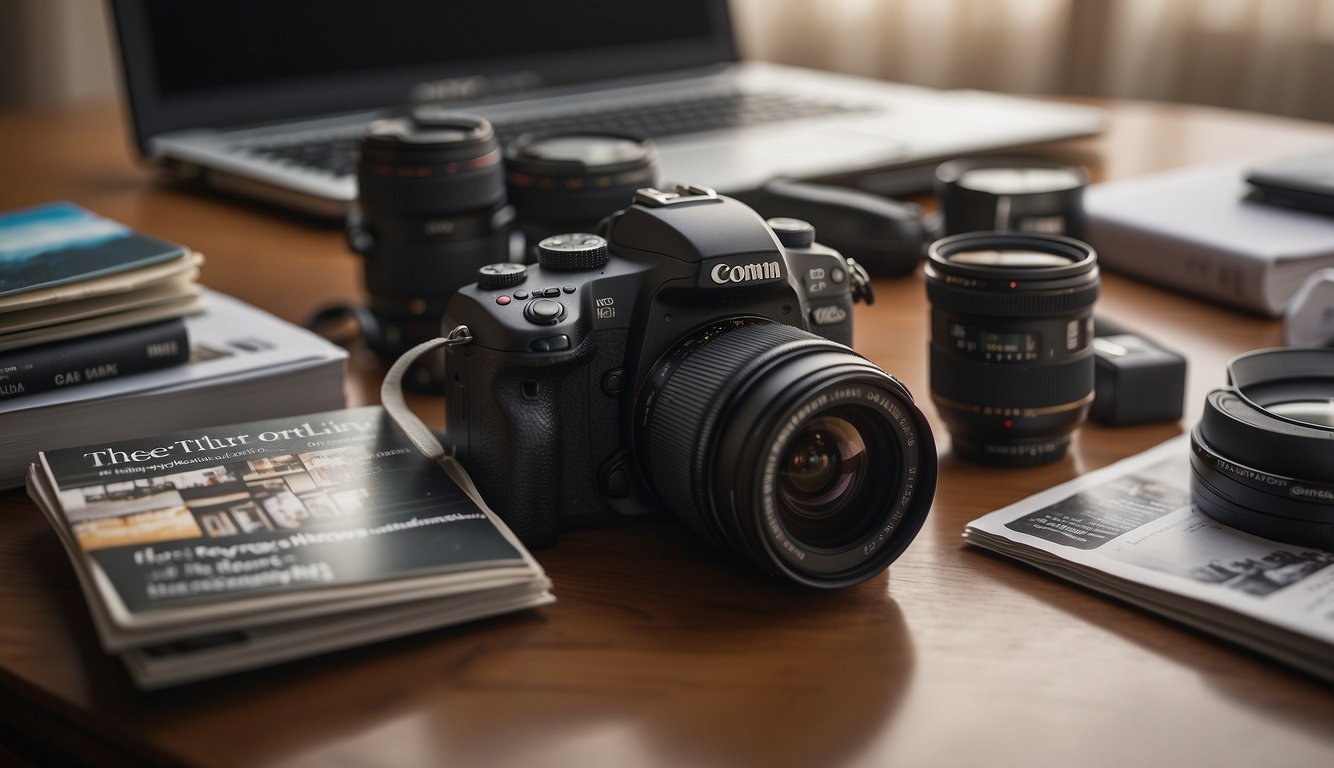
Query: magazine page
1130, 528
248, 524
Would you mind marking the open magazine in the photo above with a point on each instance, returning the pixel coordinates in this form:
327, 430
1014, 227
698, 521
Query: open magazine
228, 548
1130, 531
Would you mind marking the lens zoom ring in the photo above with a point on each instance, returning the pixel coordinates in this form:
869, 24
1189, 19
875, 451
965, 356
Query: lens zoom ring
1011, 385
680, 421
1015, 304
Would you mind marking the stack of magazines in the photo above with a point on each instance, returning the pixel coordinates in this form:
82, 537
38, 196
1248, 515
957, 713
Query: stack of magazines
84, 298
231, 547
1130, 531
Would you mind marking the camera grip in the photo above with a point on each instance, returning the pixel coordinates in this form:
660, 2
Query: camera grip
504, 423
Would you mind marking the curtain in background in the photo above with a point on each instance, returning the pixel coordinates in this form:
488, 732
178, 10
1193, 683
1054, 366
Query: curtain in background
54, 52
1275, 56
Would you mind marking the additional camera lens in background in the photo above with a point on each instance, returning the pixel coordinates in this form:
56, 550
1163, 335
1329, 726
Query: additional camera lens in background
570, 182
431, 212
1011, 342
1262, 456
793, 450
1011, 195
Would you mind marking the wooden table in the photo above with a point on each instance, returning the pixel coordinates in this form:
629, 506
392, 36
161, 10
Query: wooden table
660, 651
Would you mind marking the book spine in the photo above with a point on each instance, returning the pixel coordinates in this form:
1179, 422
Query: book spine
90, 359
1228, 278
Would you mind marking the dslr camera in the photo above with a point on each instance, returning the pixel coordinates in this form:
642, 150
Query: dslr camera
691, 358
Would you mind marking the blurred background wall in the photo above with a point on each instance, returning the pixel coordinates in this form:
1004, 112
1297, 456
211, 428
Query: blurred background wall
55, 52
1275, 56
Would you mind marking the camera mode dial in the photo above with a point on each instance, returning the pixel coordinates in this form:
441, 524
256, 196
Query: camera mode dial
573, 252
501, 275
793, 233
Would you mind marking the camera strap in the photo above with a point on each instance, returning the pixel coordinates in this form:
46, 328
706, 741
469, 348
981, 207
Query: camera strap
391, 396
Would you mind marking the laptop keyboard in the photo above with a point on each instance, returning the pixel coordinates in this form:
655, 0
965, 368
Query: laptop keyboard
336, 153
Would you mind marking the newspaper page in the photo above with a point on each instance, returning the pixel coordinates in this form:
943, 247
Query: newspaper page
1129, 530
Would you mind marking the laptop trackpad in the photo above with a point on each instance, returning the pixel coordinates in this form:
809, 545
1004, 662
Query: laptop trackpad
748, 159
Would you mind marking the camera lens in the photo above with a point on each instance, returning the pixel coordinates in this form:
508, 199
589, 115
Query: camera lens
823, 477
1262, 456
791, 449
1011, 342
1011, 194
432, 211
570, 182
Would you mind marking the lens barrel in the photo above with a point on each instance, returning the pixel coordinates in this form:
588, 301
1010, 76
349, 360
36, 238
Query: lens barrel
803, 456
1012, 362
431, 212
1262, 455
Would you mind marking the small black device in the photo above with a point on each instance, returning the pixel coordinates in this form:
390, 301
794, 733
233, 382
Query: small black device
1011, 195
885, 236
570, 182
1305, 183
1262, 456
431, 211
1136, 380
694, 360
1011, 342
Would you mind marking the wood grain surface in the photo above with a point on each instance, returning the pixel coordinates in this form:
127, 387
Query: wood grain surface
659, 650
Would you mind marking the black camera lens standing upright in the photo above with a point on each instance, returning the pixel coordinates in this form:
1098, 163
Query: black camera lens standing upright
1012, 362
432, 210
570, 182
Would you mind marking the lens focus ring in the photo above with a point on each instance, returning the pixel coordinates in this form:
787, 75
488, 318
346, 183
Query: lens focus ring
685, 409
996, 385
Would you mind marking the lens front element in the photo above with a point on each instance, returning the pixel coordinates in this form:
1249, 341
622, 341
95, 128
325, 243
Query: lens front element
825, 479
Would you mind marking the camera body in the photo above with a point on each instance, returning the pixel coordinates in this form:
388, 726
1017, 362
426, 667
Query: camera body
546, 402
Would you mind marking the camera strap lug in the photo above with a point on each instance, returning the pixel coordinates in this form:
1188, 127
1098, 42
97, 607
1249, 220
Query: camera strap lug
461, 334
861, 283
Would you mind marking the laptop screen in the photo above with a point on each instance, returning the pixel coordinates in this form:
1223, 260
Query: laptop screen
225, 63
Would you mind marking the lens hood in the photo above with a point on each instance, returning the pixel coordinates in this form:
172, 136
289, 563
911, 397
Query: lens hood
1256, 467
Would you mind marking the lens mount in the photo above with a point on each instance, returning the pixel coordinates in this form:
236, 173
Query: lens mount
1259, 470
787, 447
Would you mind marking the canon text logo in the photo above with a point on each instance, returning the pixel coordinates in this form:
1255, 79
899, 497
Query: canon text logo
726, 273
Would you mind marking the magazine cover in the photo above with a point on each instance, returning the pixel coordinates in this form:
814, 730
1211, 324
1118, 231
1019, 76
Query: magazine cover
58, 243
247, 524
1130, 530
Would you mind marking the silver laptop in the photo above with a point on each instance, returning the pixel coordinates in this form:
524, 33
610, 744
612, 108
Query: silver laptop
268, 99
